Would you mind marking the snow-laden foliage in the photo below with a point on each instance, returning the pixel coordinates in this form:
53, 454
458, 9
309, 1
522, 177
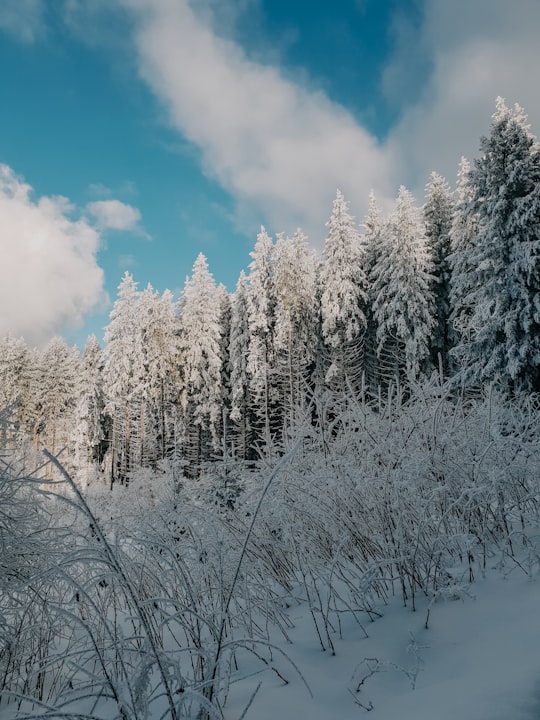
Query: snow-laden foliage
403, 304
296, 321
343, 292
202, 363
153, 612
261, 322
501, 338
438, 216
87, 431
123, 375
238, 361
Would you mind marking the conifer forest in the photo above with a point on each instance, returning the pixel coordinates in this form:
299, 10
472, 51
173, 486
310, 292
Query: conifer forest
344, 428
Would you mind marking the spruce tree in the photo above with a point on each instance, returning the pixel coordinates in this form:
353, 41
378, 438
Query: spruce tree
123, 378
261, 308
502, 339
438, 216
201, 364
343, 298
238, 368
296, 322
462, 240
403, 301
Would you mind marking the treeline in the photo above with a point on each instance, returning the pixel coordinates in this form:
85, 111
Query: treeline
451, 287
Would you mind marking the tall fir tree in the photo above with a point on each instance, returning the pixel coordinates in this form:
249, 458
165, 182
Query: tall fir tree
295, 281
261, 308
462, 240
502, 338
88, 430
202, 365
123, 378
438, 216
343, 299
373, 247
404, 306
238, 369
60, 369
160, 385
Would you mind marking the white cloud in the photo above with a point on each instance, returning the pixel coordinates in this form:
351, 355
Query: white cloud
22, 18
477, 51
282, 150
49, 276
279, 149
114, 215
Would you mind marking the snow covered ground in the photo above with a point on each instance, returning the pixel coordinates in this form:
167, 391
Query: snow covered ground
478, 659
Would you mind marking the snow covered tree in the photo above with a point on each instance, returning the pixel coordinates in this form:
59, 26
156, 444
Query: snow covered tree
88, 432
438, 215
159, 391
462, 240
60, 370
372, 242
123, 376
201, 363
238, 368
403, 301
295, 282
261, 304
502, 338
343, 293
15, 379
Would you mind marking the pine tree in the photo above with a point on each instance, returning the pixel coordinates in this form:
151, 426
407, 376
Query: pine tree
60, 368
438, 216
403, 303
261, 305
238, 368
343, 298
201, 362
295, 282
502, 338
160, 380
372, 242
123, 377
14, 379
88, 432
462, 240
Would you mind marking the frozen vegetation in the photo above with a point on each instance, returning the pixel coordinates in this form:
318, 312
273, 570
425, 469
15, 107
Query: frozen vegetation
316, 495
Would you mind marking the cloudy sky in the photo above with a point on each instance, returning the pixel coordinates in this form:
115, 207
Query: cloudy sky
136, 133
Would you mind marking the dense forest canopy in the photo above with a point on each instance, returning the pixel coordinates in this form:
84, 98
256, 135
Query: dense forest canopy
450, 287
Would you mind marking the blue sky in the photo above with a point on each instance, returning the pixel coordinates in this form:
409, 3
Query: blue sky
136, 133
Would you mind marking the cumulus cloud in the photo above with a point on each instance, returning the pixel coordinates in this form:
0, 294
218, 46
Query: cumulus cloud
280, 149
114, 215
49, 276
22, 18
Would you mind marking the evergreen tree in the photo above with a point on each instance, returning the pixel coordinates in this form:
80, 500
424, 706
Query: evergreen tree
438, 216
295, 283
15, 374
462, 240
202, 364
343, 298
502, 341
123, 377
60, 370
261, 305
238, 368
88, 433
372, 242
160, 378
403, 303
